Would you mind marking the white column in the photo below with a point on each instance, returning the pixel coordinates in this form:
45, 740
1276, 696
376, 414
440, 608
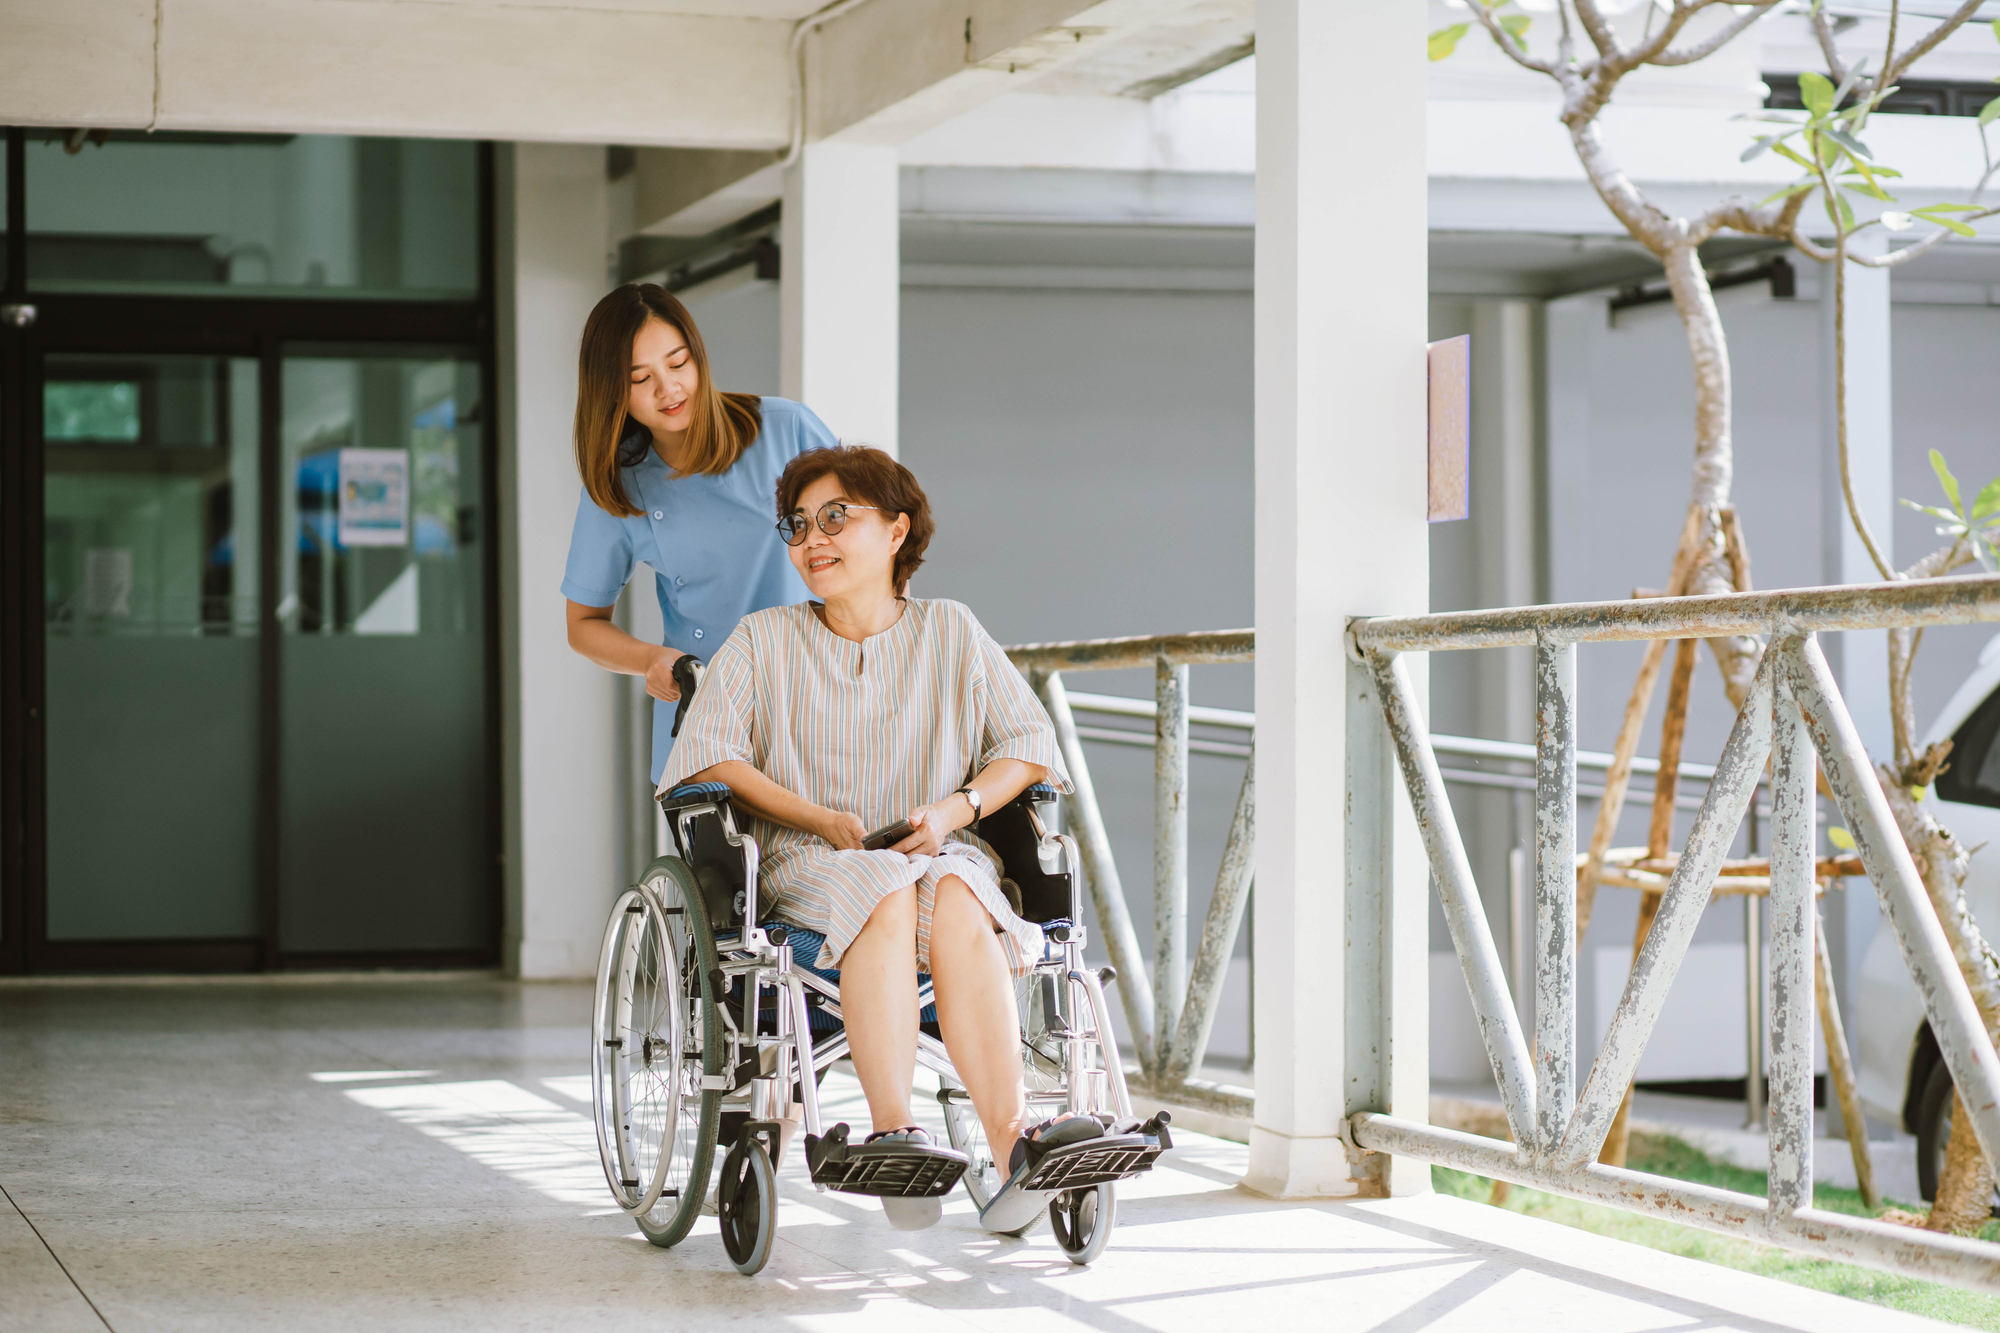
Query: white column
563, 796
1341, 531
840, 288
1505, 502
1860, 657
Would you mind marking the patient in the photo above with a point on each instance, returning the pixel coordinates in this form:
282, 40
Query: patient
849, 713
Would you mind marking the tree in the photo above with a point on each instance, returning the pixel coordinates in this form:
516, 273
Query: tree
1825, 141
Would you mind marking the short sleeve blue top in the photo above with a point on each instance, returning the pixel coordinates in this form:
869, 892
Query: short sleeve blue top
710, 542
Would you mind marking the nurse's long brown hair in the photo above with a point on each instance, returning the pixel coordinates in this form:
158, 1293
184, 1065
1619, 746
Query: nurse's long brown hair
723, 424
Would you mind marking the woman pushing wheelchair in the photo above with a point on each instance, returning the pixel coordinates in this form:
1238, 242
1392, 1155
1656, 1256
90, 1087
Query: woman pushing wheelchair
866, 708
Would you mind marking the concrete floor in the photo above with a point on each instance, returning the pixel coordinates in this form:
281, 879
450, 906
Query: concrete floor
419, 1155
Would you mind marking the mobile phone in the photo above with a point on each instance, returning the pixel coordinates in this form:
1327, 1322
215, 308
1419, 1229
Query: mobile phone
887, 837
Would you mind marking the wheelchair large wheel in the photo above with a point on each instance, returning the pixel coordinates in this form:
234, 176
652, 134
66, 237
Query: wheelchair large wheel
1082, 1220
746, 1206
656, 1033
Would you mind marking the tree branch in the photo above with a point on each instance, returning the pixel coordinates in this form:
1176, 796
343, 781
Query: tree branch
1648, 224
1941, 561
1593, 21
1896, 258
1945, 28
1824, 32
1703, 50
1516, 50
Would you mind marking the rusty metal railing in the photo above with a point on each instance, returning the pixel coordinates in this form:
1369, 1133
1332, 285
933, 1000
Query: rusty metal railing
1172, 1015
1793, 715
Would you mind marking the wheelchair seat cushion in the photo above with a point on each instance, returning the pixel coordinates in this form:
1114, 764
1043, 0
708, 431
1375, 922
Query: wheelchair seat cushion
806, 945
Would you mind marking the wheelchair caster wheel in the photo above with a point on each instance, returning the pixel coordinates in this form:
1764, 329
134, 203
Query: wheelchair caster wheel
1082, 1220
746, 1204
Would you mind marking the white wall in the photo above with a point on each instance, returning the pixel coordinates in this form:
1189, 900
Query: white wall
563, 794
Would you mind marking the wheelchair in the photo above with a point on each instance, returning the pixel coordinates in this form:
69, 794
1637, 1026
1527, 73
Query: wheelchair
712, 1028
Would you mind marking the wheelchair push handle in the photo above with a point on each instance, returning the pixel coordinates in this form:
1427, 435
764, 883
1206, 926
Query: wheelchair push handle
688, 671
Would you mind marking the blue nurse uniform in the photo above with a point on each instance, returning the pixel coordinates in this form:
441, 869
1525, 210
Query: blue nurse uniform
710, 541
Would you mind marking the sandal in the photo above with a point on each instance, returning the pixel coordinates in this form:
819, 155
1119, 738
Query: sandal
1071, 1153
896, 1163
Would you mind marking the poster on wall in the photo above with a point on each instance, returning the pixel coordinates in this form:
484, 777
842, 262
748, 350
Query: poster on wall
374, 497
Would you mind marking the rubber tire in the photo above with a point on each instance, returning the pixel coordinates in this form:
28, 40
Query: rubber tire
662, 1227
1933, 1129
1083, 1237
746, 1206
1934, 1132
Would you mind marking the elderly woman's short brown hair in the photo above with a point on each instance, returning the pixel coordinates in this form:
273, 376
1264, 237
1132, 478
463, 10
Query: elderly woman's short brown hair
868, 476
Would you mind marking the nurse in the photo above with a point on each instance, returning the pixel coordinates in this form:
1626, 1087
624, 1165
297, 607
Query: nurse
677, 476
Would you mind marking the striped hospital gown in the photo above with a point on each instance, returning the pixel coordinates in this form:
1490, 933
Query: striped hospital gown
876, 728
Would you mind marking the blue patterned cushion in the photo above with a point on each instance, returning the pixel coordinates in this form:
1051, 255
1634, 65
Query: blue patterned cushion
806, 945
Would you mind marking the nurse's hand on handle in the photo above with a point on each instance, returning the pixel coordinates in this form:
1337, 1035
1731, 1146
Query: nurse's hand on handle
592, 634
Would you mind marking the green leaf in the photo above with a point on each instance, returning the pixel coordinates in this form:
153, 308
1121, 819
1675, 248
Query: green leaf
1840, 838
1803, 187
1949, 482
1871, 190
1987, 501
1816, 91
1846, 212
1949, 225
1785, 150
1949, 208
1991, 111
1445, 40
1932, 510
1853, 145
1517, 26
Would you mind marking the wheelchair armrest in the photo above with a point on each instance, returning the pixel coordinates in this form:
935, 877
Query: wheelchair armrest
1016, 832
693, 793
703, 825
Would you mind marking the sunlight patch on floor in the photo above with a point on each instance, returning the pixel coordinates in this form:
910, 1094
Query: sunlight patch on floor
549, 1148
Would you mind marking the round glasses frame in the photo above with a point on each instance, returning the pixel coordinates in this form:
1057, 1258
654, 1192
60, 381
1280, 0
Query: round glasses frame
832, 517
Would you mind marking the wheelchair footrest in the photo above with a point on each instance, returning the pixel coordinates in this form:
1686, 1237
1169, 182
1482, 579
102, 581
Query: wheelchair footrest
897, 1170
1099, 1161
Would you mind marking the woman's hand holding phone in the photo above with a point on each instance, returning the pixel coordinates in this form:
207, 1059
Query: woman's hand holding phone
843, 831
929, 826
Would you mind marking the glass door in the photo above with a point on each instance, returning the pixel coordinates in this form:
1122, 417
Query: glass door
150, 635
383, 831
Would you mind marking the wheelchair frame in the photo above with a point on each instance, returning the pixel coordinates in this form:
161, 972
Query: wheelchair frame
704, 1015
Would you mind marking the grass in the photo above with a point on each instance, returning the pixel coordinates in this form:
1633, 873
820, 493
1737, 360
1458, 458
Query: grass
1668, 1156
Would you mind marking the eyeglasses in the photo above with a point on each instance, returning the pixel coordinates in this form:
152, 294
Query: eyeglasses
832, 518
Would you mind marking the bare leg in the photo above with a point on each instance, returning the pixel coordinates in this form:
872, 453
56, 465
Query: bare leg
878, 997
976, 1012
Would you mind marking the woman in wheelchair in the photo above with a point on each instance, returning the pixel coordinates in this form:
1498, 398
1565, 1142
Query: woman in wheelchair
858, 710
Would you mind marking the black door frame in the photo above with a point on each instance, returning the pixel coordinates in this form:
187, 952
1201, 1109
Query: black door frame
256, 327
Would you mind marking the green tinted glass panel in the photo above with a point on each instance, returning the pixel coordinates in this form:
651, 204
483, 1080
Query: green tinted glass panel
383, 776
103, 411
150, 612
252, 214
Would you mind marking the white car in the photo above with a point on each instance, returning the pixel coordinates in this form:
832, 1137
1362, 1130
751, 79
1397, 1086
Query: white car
1903, 1081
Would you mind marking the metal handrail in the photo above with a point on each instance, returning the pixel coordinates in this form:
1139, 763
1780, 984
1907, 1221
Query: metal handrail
1789, 612
1794, 718
1200, 648
1172, 1015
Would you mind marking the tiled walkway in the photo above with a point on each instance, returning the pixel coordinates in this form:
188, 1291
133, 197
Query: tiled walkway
418, 1155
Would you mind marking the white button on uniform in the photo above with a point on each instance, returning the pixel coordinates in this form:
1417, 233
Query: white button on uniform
657, 513
697, 634
680, 580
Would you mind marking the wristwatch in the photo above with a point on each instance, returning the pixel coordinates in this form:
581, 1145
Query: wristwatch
971, 799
